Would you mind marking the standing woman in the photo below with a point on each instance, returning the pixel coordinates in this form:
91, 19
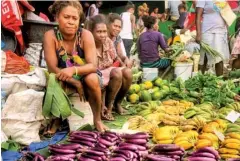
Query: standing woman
70, 51
212, 31
116, 79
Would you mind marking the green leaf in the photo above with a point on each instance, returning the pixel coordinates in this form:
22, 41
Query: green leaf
5, 145
77, 112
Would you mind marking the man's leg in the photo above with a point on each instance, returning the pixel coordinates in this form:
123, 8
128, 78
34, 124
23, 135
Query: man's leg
93, 92
128, 45
126, 83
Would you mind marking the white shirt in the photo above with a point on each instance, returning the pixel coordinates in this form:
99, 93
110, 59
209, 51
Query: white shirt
96, 11
126, 32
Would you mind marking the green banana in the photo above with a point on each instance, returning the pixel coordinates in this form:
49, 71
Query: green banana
189, 114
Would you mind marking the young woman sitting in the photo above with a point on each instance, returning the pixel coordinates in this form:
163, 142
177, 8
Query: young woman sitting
116, 79
69, 51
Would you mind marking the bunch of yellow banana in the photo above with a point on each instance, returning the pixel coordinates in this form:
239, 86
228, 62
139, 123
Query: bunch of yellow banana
155, 118
234, 106
196, 123
233, 128
187, 139
173, 120
230, 147
217, 125
165, 135
141, 124
173, 107
207, 140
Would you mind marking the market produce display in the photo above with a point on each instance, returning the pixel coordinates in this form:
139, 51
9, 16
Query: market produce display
204, 154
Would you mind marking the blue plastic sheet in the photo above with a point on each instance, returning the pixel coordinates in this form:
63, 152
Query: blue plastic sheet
33, 147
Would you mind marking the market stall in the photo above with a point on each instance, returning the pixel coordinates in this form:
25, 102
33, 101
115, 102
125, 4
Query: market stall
192, 116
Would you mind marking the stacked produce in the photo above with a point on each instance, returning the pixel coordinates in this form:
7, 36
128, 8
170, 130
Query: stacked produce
136, 74
133, 147
195, 123
165, 152
207, 140
165, 135
204, 154
139, 123
64, 151
29, 156
216, 125
106, 146
233, 127
223, 112
186, 139
230, 147
85, 138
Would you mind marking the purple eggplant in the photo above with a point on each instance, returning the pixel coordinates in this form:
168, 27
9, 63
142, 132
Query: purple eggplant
61, 151
117, 159
203, 154
121, 155
72, 146
136, 141
85, 159
166, 147
106, 151
101, 145
97, 158
124, 152
128, 147
152, 157
178, 152
89, 133
201, 159
60, 158
136, 136
209, 150
129, 144
92, 152
66, 155
105, 142
86, 143
84, 138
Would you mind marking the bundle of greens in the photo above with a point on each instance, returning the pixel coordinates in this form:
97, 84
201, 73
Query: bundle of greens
210, 50
56, 102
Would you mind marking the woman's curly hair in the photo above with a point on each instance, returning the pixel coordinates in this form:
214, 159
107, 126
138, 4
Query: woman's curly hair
149, 21
58, 5
92, 23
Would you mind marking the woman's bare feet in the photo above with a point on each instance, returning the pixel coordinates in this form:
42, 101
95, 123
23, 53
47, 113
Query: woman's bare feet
120, 110
100, 126
52, 128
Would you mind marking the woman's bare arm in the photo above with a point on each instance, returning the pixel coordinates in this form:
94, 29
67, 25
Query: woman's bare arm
199, 12
49, 47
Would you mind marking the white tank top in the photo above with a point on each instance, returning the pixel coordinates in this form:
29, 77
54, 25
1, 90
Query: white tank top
126, 32
96, 11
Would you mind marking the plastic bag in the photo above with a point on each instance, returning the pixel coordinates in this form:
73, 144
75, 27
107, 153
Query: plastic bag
22, 115
16, 64
75, 121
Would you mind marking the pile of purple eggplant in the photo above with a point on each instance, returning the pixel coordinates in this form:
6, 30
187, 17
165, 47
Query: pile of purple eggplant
84, 138
165, 152
94, 146
204, 154
63, 151
133, 148
30, 156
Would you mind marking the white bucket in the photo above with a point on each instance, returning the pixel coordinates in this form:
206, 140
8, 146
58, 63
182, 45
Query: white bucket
150, 74
183, 70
